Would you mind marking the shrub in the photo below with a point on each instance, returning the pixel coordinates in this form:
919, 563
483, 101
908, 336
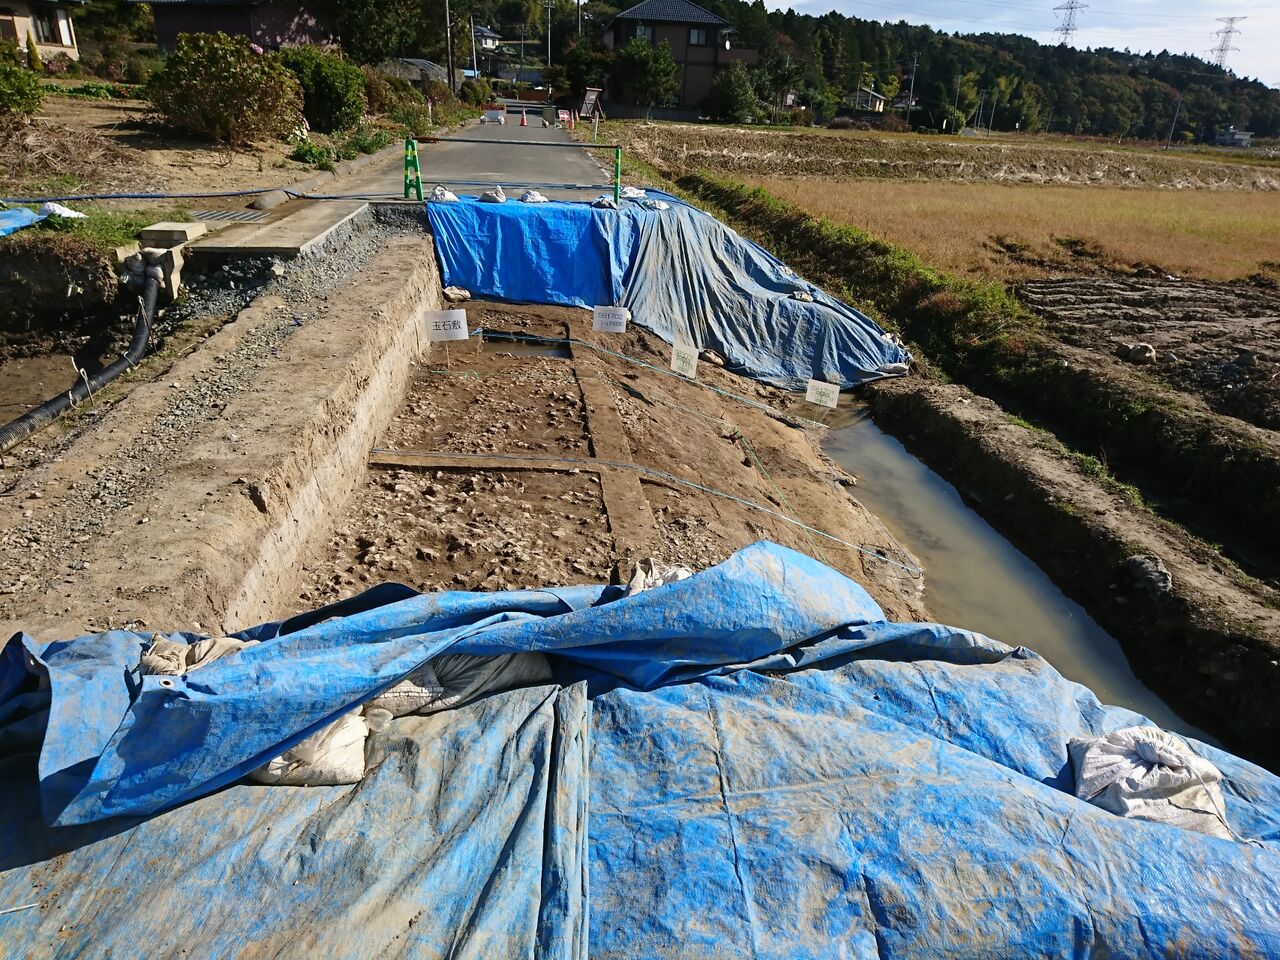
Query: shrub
141, 69
59, 64
10, 52
34, 60
840, 123
475, 91
367, 139
20, 91
413, 117
332, 88
307, 151
216, 86
378, 93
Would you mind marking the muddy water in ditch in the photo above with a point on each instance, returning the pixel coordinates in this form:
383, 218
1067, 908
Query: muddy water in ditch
976, 579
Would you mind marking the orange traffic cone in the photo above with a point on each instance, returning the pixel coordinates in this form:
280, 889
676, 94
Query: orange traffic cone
524, 120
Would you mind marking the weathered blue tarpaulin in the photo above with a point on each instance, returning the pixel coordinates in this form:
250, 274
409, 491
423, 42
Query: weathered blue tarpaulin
751, 762
683, 274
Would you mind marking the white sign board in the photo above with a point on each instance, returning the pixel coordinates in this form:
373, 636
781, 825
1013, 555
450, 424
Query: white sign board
684, 361
610, 319
447, 325
822, 393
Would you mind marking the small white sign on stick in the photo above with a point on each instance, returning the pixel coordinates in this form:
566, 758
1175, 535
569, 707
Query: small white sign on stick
447, 325
684, 361
610, 319
823, 394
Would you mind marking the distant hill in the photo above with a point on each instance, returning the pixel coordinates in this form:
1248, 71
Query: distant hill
1103, 92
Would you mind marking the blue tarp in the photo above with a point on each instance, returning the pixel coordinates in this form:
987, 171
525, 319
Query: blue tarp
17, 218
683, 274
751, 762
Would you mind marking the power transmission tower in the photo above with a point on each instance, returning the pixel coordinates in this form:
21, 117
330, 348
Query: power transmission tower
1225, 36
1067, 28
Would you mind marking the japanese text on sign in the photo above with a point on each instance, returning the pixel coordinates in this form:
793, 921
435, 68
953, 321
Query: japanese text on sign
684, 361
610, 319
447, 325
822, 393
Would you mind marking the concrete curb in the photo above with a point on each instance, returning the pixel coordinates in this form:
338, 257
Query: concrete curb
345, 168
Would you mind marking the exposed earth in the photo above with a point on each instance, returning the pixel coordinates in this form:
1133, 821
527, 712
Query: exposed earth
1218, 340
499, 518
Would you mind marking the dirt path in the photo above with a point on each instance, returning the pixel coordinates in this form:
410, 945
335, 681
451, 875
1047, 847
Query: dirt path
439, 514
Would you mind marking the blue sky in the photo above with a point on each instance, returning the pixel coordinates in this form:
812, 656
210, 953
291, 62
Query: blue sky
1180, 26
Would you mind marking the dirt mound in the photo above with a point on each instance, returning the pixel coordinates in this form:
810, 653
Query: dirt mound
772, 152
1218, 340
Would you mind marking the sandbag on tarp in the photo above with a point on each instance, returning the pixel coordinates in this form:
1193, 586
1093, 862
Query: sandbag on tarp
774, 771
683, 274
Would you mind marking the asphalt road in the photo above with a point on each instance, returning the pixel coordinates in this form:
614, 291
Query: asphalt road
507, 155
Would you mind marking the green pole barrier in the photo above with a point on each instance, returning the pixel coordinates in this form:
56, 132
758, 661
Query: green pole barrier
412, 171
617, 175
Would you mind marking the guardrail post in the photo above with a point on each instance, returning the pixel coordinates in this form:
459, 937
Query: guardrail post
412, 171
617, 176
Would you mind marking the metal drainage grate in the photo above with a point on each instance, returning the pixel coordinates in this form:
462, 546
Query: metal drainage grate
232, 216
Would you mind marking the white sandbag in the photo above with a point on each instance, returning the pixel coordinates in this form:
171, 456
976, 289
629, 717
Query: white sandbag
632, 193
332, 757
603, 202
533, 196
52, 209
1150, 774
804, 296
173, 658
649, 575
894, 369
457, 294
493, 196
410, 695
651, 204
441, 195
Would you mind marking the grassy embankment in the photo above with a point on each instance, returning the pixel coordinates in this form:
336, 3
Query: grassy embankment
1014, 231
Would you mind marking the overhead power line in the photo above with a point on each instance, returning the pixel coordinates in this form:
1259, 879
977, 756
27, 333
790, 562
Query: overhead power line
1067, 28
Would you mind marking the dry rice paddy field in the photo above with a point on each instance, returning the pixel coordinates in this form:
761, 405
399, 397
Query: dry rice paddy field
1013, 232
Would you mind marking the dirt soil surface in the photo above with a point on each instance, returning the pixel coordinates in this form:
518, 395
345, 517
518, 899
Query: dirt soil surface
1220, 341
439, 522
780, 153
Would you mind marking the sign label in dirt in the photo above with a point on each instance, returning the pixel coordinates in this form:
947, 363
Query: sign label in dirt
823, 394
610, 319
684, 361
447, 325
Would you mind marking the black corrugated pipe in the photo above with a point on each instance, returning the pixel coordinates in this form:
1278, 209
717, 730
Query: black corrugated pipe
11, 434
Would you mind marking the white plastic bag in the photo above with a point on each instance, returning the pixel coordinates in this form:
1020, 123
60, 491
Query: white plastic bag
1150, 774
329, 758
632, 193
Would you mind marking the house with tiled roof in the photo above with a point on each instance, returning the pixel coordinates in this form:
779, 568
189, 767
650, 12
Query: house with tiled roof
701, 42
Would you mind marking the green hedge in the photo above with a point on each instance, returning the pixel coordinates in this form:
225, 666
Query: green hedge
333, 96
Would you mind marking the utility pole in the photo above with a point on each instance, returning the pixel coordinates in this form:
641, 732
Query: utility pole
1173, 126
549, 8
520, 69
448, 45
1225, 36
911, 94
955, 107
1067, 29
982, 98
475, 69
